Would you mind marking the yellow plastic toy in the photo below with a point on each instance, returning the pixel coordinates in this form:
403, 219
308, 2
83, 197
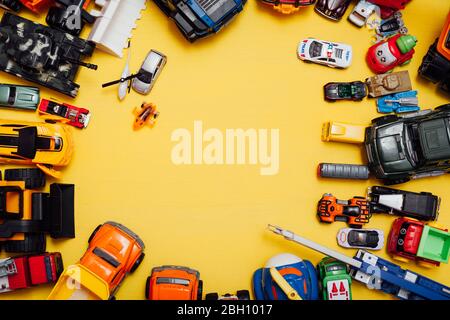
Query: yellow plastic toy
343, 132
146, 115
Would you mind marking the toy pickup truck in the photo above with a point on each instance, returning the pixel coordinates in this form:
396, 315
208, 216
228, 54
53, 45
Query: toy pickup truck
335, 281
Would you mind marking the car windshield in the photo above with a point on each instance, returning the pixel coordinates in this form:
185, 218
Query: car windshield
145, 76
411, 141
363, 238
345, 90
335, 267
315, 49
182, 282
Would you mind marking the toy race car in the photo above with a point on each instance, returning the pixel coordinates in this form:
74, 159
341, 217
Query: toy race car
19, 97
41, 54
197, 19
355, 211
240, 295
288, 6
174, 283
422, 206
335, 55
361, 13
334, 280
386, 55
436, 63
355, 91
399, 102
114, 251
31, 270
74, 116
42, 144
286, 277
146, 115
388, 83
149, 72
332, 9
372, 239
389, 7
410, 239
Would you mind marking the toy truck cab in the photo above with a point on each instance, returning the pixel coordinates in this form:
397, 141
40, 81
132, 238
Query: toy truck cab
335, 281
342, 132
354, 211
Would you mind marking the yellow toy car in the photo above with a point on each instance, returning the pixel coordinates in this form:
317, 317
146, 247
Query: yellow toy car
343, 132
45, 145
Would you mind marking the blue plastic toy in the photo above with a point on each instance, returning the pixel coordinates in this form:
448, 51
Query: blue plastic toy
284, 277
400, 102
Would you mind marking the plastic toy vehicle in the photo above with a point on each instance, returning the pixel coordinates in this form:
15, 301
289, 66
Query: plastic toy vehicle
117, 17
45, 145
74, 116
69, 16
146, 115
422, 206
19, 97
378, 273
197, 19
343, 171
41, 54
332, 9
26, 271
362, 11
372, 239
389, 7
355, 211
384, 84
390, 27
27, 215
342, 132
335, 55
288, 6
114, 251
413, 240
174, 283
240, 295
13, 5
355, 91
284, 277
335, 282
386, 55
399, 102
149, 72
436, 63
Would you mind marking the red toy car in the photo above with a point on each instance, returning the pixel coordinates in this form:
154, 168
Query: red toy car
388, 7
26, 271
74, 116
386, 55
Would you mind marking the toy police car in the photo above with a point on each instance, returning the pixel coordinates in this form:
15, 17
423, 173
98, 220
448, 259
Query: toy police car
331, 54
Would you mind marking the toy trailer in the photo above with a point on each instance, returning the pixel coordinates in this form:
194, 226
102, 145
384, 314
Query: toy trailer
378, 273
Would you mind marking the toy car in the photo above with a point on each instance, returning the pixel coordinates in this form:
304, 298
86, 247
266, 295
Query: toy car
240, 295
146, 115
149, 72
372, 239
335, 282
389, 7
361, 13
355, 91
410, 239
422, 206
332, 9
390, 83
386, 55
390, 27
436, 63
286, 277
399, 102
174, 283
74, 116
41, 54
19, 97
114, 251
45, 145
26, 271
355, 211
69, 16
342, 132
197, 19
335, 55
288, 6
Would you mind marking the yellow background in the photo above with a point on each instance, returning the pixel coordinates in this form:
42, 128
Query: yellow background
213, 218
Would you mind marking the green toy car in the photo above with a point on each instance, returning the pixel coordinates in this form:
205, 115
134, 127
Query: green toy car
334, 280
19, 97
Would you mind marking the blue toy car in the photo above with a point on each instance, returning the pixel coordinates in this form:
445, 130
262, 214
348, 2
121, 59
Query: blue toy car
284, 277
399, 102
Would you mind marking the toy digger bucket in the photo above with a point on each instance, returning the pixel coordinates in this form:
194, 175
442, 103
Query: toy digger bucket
61, 203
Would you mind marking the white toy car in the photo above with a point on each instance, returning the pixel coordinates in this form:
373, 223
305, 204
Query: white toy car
372, 239
361, 13
335, 55
149, 72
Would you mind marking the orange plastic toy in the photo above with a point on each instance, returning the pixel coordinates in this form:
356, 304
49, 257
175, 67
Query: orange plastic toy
146, 115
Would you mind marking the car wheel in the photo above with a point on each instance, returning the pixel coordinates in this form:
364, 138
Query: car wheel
243, 295
399, 180
200, 290
147, 288
137, 263
212, 296
400, 242
445, 107
34, 178
32, 243
402, 231
94, 233
385, 119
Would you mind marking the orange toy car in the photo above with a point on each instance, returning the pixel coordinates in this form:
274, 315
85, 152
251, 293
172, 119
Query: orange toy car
174, 283
146, 115
354, 211
113, 252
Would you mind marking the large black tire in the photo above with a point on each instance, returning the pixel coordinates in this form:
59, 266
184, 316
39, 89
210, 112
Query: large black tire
34, 178
243, 295
147, 288
212, 296
200, 290
384, 119
399, 180
137, 263
93, 233
445, 107
33, 243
